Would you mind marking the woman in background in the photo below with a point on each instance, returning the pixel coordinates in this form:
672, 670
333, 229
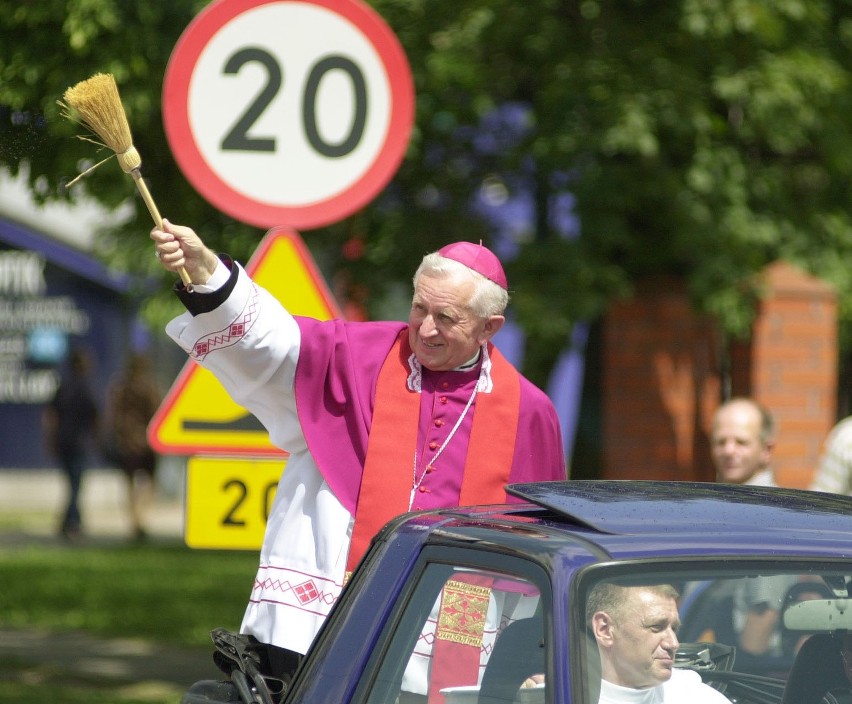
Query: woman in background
132, 401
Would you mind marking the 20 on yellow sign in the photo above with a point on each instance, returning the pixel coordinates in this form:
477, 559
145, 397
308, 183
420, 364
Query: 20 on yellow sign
228, 500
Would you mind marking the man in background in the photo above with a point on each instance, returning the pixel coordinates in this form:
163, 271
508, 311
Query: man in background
741, 442
742, 439
834, 473
70, 424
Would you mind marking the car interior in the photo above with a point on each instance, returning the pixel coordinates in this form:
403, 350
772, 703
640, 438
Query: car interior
482, 637
801, 659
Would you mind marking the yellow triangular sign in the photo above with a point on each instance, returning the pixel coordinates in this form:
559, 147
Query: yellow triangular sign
197, 415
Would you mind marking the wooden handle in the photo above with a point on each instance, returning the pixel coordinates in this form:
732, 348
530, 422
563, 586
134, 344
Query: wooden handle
155, 214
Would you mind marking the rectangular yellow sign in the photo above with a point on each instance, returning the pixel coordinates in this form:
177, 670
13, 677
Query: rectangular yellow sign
228, 500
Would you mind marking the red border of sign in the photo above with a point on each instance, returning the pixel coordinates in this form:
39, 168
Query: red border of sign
207, 182
191, 367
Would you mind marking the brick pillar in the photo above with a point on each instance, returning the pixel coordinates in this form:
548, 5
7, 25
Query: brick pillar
660, 382
790, 366
661, 378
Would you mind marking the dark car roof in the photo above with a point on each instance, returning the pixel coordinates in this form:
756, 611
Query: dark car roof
633, 507
639, 519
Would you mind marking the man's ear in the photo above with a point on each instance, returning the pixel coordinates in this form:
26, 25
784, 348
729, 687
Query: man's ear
602, 628
766, 453
491, 328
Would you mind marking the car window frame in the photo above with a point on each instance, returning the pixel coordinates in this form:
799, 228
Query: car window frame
453, 558
712, 566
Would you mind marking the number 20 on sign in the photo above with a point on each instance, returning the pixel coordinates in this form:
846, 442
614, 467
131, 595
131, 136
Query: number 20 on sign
233, 515
288, 112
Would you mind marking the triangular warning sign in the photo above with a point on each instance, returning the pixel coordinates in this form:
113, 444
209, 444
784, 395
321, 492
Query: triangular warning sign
197, 415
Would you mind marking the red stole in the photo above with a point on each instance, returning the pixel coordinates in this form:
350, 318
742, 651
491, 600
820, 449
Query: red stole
458, 634
387, 478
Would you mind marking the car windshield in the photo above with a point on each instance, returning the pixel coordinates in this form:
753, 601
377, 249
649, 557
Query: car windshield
754, 634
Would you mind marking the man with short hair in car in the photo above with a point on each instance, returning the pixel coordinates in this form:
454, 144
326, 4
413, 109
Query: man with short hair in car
635, 628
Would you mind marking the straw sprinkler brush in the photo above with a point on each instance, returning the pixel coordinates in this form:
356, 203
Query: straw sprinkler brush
99, 107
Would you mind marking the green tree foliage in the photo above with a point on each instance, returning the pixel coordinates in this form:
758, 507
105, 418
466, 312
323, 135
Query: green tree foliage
699, 138
51, 45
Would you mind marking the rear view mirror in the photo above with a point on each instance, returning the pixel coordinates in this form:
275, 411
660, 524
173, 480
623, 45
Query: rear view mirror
819, 615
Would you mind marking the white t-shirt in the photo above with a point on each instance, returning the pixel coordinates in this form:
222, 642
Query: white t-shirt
684, 687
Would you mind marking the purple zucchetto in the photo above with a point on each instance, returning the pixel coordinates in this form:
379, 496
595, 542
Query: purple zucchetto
479, 258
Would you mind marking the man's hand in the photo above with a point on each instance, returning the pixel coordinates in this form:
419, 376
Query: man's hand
533, 681
177, 246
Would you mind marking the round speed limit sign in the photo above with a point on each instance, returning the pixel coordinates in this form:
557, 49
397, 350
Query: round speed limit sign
288, 112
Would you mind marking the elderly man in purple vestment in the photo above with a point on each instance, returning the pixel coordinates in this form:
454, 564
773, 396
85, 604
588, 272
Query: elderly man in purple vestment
378, 418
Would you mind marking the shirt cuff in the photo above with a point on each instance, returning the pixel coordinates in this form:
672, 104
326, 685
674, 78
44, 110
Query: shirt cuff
219, 278
207, 297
